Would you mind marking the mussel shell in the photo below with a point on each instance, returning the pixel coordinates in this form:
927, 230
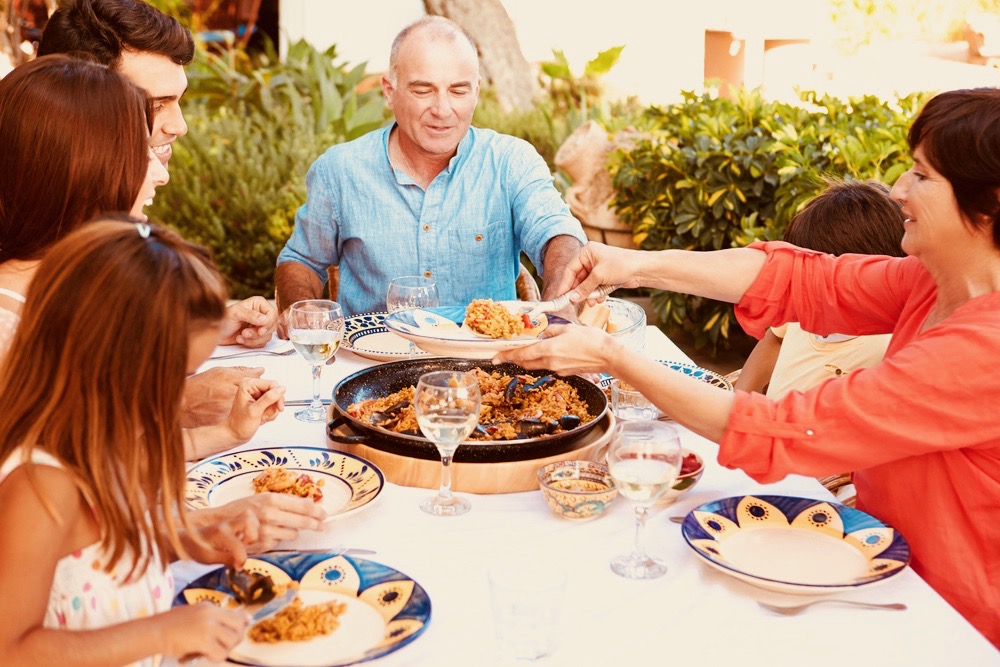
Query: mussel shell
250, 587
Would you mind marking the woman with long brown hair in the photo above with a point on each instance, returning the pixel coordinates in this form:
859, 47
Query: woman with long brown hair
92, 456
74, 137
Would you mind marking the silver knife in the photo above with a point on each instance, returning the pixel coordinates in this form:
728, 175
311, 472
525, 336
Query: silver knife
274, 606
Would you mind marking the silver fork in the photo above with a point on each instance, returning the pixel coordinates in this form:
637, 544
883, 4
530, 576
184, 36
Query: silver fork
254, 353
792, 610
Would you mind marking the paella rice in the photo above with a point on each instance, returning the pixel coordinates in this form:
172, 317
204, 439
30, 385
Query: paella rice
279, 480
513, 407
489, 318
297, 622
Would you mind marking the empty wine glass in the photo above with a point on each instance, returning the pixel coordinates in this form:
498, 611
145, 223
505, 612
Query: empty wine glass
644, 459
315, 327
411, 292
447, 406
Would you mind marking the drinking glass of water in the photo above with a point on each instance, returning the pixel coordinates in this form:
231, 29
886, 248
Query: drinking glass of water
411, 292
315, 327
644, 459
447, 406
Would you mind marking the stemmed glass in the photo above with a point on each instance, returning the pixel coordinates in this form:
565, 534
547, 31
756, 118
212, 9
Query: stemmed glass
644, 459
315, 327
447, 406
411, 292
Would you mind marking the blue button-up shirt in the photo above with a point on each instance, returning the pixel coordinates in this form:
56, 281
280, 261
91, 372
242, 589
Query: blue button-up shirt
495, 199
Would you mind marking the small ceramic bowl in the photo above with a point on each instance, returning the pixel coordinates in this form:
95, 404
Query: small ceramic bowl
685, 481
577, 489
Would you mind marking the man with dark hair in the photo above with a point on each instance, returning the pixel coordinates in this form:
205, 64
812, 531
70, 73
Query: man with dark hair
139, 41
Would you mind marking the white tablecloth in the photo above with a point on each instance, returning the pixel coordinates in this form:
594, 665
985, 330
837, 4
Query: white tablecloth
694, 613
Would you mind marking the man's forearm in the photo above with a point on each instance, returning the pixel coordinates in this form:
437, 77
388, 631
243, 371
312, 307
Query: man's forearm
559, 251
295, 282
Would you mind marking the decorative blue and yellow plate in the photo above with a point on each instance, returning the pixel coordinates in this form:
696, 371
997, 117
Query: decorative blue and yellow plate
384, 609
349, 482
366, 336
699, 373
795, 545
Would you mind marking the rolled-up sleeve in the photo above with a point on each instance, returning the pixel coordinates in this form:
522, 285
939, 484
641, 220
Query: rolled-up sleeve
850, 294
314, 241
539, 212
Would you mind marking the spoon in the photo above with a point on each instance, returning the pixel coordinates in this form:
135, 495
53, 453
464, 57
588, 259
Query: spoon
799, 608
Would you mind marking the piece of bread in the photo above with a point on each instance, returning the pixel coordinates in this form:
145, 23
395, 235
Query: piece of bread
595, 316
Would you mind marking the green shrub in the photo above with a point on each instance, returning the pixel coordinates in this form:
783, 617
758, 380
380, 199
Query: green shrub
716, 173
255, 127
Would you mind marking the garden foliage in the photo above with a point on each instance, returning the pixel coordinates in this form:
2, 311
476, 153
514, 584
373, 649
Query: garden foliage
255, 127
717, 173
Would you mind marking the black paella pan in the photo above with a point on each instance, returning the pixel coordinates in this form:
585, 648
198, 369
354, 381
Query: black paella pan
385, 379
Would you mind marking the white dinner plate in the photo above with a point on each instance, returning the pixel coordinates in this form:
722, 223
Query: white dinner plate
350, 482
386, 610
795, 545
439, 331
366, 336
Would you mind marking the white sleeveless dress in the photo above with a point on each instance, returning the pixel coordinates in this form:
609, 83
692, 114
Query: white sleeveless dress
84, 596
8, 320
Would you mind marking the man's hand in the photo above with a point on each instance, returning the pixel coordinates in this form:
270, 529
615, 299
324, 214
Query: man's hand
249, 323
208, 396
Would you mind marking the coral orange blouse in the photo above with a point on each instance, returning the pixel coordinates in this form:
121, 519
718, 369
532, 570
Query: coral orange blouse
921, 430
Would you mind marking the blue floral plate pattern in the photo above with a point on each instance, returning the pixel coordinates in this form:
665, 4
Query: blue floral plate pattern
385, 609
697, 372
367, 336
795, 545
349, 482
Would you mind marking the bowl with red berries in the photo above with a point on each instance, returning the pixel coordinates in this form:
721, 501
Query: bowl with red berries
692, 468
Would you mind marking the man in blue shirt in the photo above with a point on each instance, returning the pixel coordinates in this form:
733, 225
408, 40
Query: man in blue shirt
429, 195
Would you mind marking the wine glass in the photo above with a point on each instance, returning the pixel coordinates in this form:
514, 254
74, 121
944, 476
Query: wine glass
644, 459
447, 406
315, 327
411, 292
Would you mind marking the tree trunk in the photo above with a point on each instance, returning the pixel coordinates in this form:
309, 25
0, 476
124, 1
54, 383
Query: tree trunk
503, 65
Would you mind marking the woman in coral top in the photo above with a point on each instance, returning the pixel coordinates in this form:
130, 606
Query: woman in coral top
919, 429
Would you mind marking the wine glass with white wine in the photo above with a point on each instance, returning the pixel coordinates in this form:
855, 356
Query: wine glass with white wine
644, 459
315, 327
407, 292
447, 405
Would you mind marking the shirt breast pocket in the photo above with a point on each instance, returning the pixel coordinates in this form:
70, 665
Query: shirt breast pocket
481, 241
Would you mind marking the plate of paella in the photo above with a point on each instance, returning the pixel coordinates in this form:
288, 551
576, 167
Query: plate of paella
339, 482
476, 331
347, 610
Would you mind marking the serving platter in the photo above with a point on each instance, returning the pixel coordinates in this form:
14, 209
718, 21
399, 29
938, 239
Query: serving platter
367, 336
439, 331
350, 483
385, 609
795, 545
385, 379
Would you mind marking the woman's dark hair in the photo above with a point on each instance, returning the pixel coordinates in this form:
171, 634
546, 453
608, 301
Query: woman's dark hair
102, 29
959, 132
74, 137
850, 217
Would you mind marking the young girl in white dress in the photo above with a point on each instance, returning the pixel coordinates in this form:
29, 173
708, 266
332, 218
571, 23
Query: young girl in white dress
92, 459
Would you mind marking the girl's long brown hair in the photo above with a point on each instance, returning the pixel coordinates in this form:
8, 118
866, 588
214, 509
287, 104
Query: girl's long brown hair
74, 143
96, 371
